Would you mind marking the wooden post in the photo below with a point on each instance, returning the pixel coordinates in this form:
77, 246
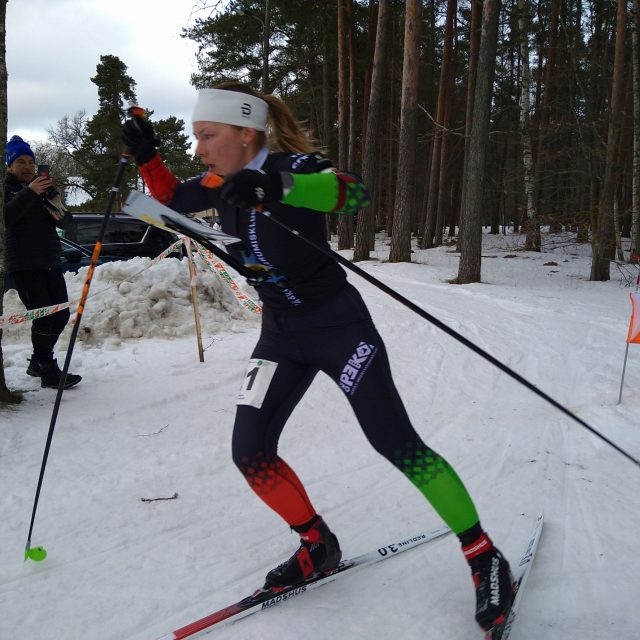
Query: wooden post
194, 298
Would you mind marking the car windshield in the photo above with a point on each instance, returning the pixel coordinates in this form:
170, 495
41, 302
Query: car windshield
117, 232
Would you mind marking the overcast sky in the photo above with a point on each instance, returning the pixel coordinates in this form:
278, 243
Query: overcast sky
53, 47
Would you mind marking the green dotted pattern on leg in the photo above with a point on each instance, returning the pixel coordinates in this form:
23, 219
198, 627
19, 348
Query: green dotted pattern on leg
439, 483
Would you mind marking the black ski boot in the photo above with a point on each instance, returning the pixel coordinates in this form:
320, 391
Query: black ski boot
319, 552
50, 376
34, 368
493, 582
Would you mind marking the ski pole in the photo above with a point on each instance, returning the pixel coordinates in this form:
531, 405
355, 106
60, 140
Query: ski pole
214, 181
39, 553
451, 332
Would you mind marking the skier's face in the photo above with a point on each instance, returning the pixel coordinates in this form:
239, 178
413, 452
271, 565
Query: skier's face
223, 148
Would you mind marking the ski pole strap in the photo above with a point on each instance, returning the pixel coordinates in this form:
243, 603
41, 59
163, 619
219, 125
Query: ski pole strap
249, 267
257, 273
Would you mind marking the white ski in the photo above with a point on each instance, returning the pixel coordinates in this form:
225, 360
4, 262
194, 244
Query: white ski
262, 599
503, 630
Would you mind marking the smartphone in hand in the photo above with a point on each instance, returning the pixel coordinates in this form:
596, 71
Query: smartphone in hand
43, 170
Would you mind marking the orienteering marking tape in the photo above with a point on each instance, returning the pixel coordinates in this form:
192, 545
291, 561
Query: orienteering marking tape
34, 314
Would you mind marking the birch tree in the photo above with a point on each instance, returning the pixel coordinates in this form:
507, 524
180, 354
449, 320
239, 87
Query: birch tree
532, 227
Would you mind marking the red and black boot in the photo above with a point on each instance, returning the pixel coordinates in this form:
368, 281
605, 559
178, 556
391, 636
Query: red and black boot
492, 579
319, 552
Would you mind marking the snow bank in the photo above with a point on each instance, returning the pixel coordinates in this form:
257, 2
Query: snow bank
133, 299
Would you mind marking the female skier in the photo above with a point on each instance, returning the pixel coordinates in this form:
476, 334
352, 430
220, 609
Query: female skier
313, 320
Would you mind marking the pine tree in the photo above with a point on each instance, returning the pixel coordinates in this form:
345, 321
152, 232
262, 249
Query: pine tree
99, 153
401, 237
635, 208
604, 240
175, 147
475, 167
370, 161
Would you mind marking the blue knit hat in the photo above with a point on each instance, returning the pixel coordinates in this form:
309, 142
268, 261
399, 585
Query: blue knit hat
17, 147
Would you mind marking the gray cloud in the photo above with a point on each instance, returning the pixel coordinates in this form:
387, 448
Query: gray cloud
53, 48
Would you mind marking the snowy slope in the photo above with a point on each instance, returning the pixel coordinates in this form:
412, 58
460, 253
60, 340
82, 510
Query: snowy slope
149, 420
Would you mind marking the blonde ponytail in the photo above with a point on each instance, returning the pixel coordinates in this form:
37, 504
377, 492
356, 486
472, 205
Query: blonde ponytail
284, 129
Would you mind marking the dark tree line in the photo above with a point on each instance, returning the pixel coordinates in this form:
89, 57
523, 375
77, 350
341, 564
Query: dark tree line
459, 114
425, 99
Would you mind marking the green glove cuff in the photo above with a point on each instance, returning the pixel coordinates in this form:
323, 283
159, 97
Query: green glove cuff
318, 191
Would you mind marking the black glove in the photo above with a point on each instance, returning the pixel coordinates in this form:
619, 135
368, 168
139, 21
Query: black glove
249, 188
138, 135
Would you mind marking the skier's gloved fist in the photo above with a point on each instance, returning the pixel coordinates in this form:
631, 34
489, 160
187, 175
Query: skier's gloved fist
249, 188
138, 135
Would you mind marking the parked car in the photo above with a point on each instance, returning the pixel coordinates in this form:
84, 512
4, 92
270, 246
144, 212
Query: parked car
125, 237
73, 258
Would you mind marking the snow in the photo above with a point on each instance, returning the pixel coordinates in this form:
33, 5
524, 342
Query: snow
151, 421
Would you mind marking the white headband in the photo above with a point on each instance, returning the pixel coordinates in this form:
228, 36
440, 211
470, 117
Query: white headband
230, 107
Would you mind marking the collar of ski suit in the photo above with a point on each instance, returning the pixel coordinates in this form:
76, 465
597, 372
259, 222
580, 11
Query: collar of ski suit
258, 160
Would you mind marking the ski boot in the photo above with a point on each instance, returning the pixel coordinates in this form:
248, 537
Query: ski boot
493, 582
319, 552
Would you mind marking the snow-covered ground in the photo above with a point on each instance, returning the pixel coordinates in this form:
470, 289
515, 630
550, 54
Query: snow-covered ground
150, 421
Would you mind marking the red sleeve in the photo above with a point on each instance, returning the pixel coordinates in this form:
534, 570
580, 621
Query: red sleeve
157, 176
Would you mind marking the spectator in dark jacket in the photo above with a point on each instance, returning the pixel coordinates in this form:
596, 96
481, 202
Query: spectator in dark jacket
33, 256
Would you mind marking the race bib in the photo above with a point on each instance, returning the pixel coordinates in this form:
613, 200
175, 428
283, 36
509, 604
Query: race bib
256, 382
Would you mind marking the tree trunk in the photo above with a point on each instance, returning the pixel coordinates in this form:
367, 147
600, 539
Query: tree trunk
405, 200
634, 255
474, 48
431, 213
344, 239
327, 98
616, 226
353, 134
444, 161
6, 396
604, 241
366, 217
471, 213
546, 139
388, 158
532, 226
353, 95
266, 30
367, 73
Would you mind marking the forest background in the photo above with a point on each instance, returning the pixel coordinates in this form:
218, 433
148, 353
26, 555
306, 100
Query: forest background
458, 114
